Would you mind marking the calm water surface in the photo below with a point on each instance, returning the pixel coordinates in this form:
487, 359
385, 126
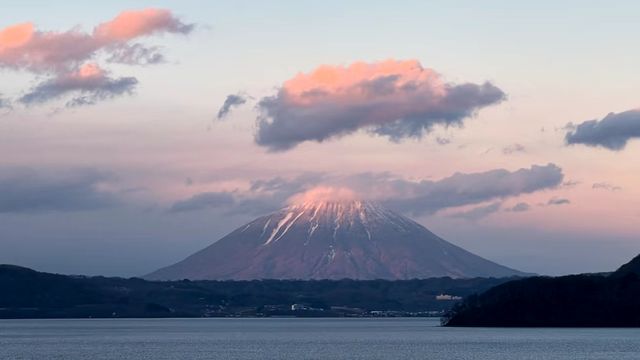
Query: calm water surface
160, 339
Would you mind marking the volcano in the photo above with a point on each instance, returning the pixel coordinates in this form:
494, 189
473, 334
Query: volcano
332, 240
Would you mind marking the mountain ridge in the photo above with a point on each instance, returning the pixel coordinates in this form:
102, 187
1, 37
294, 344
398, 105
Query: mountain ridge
26, 293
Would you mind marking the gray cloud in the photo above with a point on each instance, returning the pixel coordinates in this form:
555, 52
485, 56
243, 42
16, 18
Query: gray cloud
428, 197
88, 87
203, 201
229, 102
29, 191
136, 54
263, 196
479, 212
612, 132
284, 188
443, 141
514, 148
423, 197
558, 201
232, 203
461, 102
571, 183
520, 207
606, 186
406, 101
4, 103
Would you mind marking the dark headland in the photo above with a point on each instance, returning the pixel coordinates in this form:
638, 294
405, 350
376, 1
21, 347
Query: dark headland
586, 300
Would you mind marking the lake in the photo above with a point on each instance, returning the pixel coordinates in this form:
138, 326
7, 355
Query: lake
272, 338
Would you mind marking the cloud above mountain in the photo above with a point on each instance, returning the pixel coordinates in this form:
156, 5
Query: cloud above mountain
421, 197
613, 132
519, 207
605, 186
429, 197
479, 212
23, 47
25, 190
203, 201
231, 101
262, 196
64, 58
558, 201
394, 98
4, 103
90, 83
513, 149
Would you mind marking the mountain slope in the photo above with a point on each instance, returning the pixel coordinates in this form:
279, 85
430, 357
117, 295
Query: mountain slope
332, 240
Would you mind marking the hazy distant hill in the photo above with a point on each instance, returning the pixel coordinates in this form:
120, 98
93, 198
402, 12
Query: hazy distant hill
25, 293
588, 300
332, 240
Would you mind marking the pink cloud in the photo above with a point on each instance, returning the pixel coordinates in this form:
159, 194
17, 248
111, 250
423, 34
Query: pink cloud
66, 55
393, 98
132, 24
15, 35
24, 47
351, 83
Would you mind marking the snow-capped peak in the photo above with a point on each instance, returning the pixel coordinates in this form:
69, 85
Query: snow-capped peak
318, 236
340, 209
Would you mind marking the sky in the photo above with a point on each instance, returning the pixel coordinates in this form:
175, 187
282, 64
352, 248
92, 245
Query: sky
134, 133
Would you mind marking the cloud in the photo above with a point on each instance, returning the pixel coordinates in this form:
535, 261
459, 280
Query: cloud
4, 103
395, 99
443, 141
428, 197
64, 55
229, 102
519, 207
90, 83
558, 201
231, 202
512, 149
422, 197
479, 212
29, 191
203, 201
25, 48
612, 132
133, 24
262, 196
571, 183
136, 54
606, 186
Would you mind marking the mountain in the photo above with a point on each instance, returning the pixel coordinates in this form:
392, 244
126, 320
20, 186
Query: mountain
332, 240
586, 300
